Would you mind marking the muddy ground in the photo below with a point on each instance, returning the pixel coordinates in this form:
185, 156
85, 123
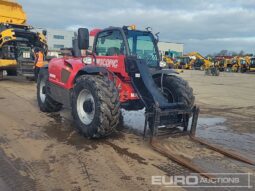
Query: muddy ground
41, 151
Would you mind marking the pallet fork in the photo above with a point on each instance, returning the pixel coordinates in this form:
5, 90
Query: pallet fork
155, 143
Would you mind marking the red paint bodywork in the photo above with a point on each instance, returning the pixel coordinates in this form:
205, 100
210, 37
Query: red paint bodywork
115, 64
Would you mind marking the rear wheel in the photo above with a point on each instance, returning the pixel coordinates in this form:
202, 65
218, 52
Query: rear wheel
45, 102
95, 106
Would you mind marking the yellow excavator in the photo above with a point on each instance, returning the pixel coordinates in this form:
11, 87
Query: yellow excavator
201, 63
239, 64
18, 40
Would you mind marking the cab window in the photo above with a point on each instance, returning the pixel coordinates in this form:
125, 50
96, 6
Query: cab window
110, 43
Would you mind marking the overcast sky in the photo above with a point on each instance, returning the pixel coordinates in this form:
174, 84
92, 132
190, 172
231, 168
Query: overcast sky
207, 26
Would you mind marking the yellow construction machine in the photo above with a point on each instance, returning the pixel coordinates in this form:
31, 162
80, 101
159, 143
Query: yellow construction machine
17, 40
200, 62
226, 63
252, 64
184, 62
168, 60
238, 64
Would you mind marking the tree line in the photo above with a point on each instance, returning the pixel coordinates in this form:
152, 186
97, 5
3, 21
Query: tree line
229, 53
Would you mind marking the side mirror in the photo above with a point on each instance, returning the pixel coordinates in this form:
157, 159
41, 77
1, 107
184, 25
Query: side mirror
83, 38
44, 32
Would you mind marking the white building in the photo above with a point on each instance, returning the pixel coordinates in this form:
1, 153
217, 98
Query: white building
58, 39
175, 48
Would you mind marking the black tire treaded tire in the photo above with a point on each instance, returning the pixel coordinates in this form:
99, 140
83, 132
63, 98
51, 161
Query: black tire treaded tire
179, 88
49, 105
181, 92
107, 105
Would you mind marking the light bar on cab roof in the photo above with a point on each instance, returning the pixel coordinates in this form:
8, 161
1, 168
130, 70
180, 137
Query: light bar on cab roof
132, 27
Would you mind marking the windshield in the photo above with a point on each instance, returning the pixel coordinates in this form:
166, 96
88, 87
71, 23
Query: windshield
184, 60
141, 44
253, 62
243, 62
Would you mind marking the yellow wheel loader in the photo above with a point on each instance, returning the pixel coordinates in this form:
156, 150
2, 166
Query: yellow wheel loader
17, 40
185, 62
201, 63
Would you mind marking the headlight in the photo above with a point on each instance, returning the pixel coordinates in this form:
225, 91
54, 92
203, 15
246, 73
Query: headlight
87, 60
162, 64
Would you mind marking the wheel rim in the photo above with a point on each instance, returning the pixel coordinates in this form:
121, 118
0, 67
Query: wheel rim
42, 93
86, 107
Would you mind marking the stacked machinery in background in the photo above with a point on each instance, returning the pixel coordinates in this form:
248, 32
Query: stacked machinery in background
18, 40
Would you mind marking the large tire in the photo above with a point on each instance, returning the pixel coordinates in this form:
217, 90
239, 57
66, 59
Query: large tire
175, 89
178, 90
45, 102
95, 106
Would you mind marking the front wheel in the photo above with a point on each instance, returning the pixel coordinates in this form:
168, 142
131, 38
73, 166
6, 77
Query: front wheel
95, 106
175, 89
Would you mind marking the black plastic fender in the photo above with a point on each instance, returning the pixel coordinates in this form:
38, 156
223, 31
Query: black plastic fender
92, 70
147, 90
164, 72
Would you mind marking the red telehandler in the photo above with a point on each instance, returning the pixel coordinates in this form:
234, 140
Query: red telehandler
122, 71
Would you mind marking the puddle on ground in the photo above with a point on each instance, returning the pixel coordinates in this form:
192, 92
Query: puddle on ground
214, 130
134, 120
63, 129
125, 152
211, 128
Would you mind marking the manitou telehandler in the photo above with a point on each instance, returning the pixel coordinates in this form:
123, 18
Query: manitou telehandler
122, 71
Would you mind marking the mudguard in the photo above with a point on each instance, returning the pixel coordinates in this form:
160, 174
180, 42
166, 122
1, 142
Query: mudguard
145, 86
93, 70
164, 72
